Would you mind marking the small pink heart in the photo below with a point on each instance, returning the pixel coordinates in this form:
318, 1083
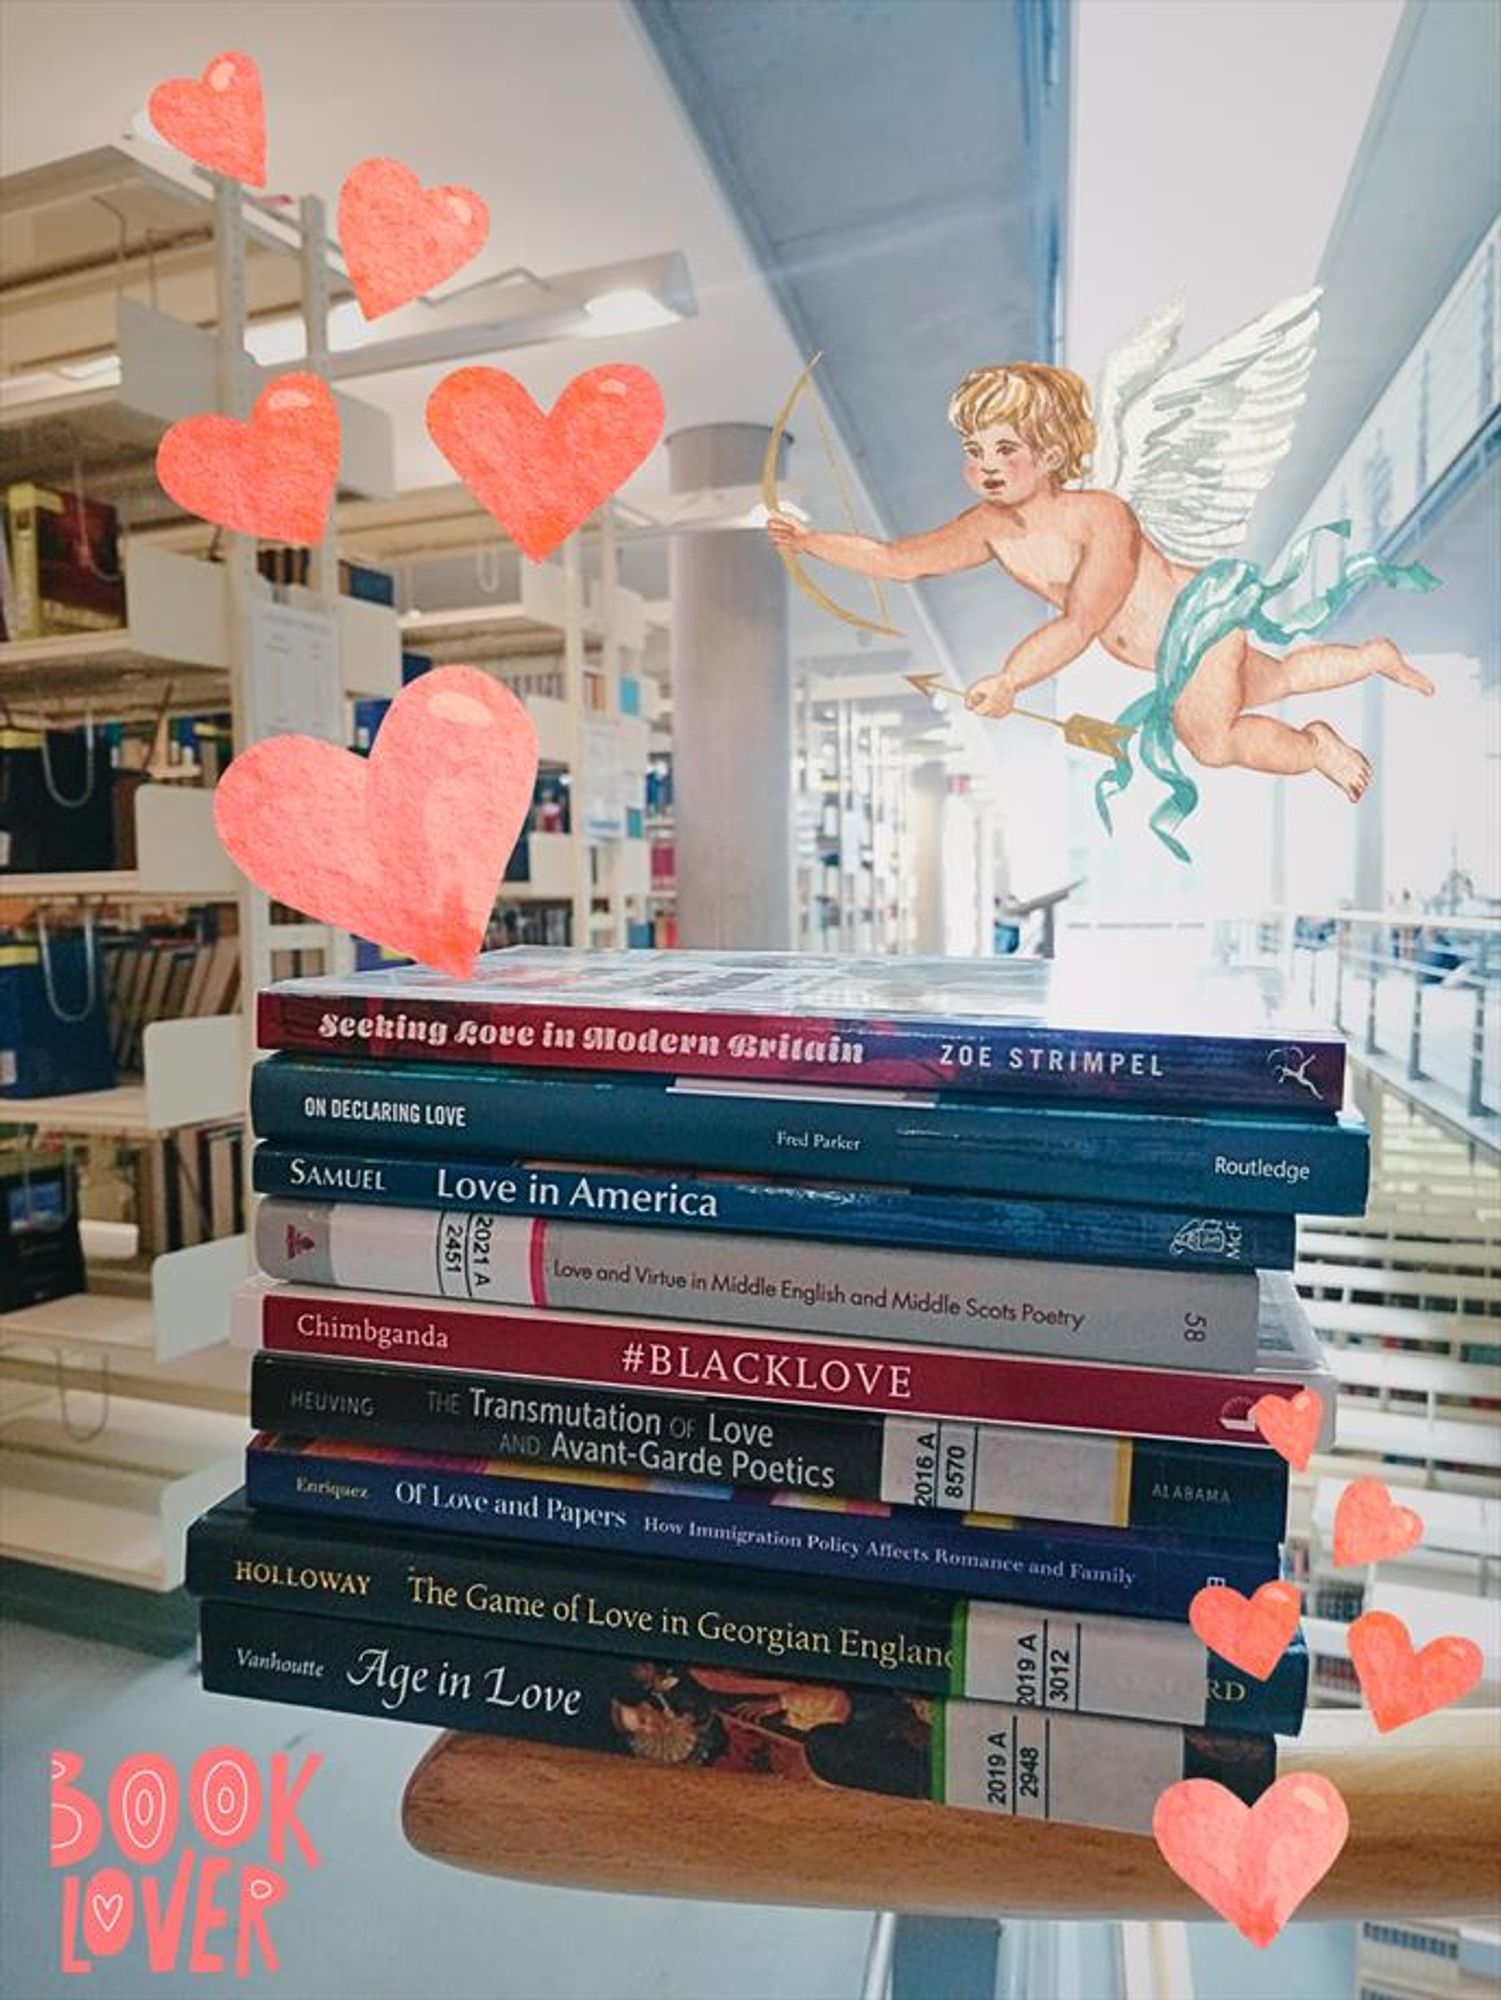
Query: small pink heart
1254, 1864
1290, 1424
273, 475
106, 1909
543, 475
399, 238
1399, 1682
1252, 1633
405, 847
218, 119
1368, 1528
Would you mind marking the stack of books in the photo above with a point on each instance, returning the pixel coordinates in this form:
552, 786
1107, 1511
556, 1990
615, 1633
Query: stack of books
830, 1368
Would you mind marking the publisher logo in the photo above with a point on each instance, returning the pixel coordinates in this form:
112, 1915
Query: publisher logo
298, 1244
193, 1893
1291, 1065
1210, 1236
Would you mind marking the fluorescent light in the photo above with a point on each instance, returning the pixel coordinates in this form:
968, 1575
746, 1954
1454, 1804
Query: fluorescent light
630, 310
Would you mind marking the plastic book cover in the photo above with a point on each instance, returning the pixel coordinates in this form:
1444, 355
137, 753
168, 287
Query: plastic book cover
925, 1641
1092, 1770
1069, 1565
1007, 1027
1119, 1482
1185, 1237
936, 1139
1018, 1305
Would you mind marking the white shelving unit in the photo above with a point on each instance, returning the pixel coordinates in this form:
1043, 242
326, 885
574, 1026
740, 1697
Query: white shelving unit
94, 375
854, 888
568, 637
115, 1505
1407, 1300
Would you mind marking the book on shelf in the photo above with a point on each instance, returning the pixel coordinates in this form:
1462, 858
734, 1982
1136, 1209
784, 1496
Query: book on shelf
1027, 1763
1163, 1319
1205, 1490
189, 1186
920, 1641
817, 1369
934, 1140
283, 565
1179, 1237
66, 574
1078, 1568
993, 1027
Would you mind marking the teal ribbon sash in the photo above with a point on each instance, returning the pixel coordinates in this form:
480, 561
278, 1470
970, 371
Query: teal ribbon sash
1229, 596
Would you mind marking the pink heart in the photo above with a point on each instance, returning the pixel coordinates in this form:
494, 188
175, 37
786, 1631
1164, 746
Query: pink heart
273, 475
1254, 1864
218, 119
1399, 1682
1369, 1528
543, 475
1290, 1424
1251, 1633
406, 847
106, 1909
399, 238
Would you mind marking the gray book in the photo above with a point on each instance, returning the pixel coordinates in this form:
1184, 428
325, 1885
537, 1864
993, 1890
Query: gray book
1203, 1320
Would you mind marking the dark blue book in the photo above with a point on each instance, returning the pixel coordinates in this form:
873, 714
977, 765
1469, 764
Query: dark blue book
1015, 1027
925, 1641
1024, 1562
986, 1756
1182, 1237
978, 1145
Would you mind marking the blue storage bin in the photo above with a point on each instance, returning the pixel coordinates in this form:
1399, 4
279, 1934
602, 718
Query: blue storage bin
54, 1017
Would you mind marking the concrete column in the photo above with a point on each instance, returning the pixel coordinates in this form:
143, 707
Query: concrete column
731, 711
1369, 886
928, 783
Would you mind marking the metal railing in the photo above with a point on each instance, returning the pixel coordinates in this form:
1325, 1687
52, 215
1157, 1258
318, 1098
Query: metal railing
1417, 992
1423, 990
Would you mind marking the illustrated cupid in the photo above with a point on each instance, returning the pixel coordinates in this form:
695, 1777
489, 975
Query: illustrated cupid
1142, 561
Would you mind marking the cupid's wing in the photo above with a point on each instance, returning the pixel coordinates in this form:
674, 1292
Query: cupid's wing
1128, 369
1198, 444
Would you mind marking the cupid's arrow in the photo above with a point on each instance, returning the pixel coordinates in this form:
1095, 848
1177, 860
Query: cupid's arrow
1083, 732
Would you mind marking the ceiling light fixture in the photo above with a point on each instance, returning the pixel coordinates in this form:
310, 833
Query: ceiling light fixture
630, 310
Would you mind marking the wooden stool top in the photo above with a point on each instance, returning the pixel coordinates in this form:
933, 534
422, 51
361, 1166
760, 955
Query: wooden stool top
1424, 1804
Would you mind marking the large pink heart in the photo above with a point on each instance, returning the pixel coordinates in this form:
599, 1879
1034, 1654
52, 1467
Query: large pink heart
406, 847
1254, 1864
399, 238
273, 475
543, 474
218, 119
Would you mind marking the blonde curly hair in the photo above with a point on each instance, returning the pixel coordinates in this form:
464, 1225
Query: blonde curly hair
1047, 407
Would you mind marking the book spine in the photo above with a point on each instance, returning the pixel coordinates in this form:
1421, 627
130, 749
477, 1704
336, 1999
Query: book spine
26, 589
809, 1368
1274, 1165
1158, 1319
1172, 1238
1076, 1569
1029, 1764
1109, 1482
1012, 1059
918, 1641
